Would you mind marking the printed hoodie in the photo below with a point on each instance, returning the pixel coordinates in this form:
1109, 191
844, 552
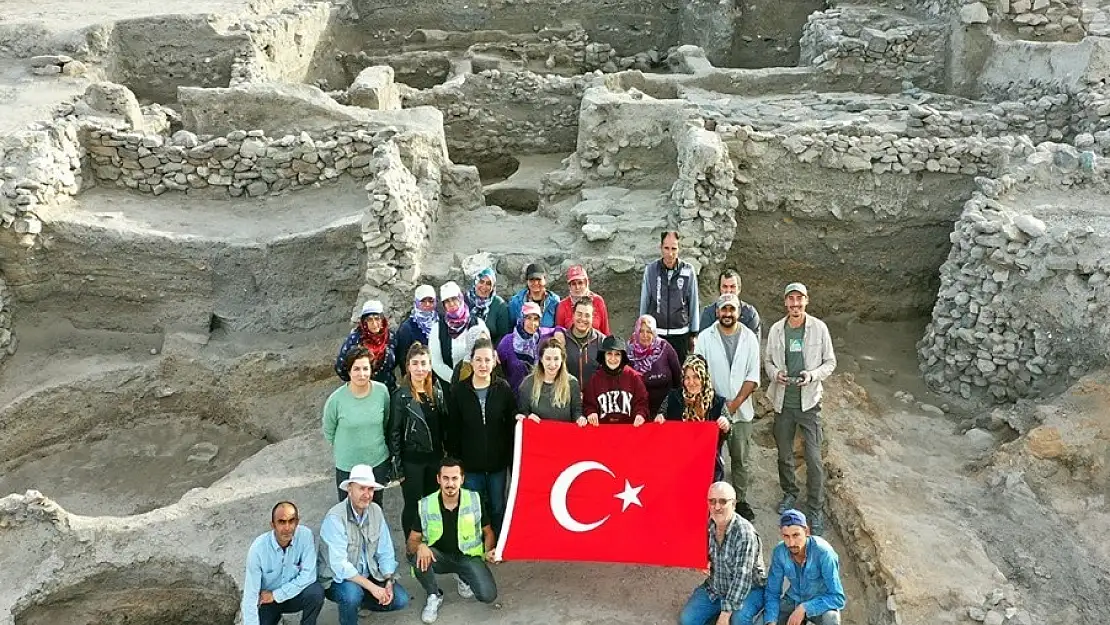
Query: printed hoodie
616, 397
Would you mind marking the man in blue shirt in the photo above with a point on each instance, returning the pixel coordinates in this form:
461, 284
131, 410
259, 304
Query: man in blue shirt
281, 572
535, 291
356, 560
812, 567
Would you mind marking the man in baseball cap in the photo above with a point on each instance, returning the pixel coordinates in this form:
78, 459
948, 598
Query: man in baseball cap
798, 357
810, 598
535, 290
356, 561
578, 283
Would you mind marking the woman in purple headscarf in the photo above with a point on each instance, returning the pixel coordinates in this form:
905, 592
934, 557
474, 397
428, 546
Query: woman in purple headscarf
656, 361
519, 349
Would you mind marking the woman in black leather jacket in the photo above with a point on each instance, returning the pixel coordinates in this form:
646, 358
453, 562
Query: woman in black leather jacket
417, 416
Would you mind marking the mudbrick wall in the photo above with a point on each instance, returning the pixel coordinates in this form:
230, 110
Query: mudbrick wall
1024, 293
283, 45
513, 113
883, 49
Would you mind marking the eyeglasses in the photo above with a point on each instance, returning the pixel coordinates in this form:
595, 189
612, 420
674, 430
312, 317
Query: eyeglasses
714, 501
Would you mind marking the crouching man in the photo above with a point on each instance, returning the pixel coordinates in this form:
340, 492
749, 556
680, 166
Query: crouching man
733, 593
356, 561
812, 568
455, 537
281, 572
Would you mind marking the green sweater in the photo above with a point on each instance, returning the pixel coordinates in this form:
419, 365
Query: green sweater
498, 319
355, 427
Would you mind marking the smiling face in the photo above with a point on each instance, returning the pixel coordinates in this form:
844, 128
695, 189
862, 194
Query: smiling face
726, 316
645, 335
583, 318
482, 362
552, 359
691, 382
579, 287
428, 304
722, 504
537, 285
531, 323
614, 359
796, 304
451, 304
374, 323
484, 286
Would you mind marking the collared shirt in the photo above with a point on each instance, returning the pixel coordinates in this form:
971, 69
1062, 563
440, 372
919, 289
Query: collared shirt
814, 584
284, 572
820, 360
735, 564
333, 532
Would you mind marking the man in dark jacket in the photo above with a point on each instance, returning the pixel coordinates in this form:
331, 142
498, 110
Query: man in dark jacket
729, 283
669, 293
583, 343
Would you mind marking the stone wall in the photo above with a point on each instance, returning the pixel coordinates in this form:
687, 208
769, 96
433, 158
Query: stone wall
8, 342
705, 195
283, 45
506, 113
241, 163
1040, 20
882, 48
40, 165
1024, 295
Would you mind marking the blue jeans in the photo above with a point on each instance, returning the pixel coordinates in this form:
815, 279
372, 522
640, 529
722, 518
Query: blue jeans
491, 488
308, 603
786, 606
349, 597
700, 609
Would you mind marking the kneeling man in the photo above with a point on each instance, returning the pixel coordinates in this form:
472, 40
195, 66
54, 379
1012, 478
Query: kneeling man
281, 572
455, 537
357, 562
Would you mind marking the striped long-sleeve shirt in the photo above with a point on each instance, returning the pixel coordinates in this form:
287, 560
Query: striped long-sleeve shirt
735, 564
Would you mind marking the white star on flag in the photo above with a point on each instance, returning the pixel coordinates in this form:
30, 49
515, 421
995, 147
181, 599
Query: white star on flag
630, 496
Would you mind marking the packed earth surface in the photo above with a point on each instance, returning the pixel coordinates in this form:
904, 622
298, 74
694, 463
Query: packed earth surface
196, 197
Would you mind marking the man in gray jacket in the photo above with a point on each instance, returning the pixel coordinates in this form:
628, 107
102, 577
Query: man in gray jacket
798, 357
356, 563
669, 292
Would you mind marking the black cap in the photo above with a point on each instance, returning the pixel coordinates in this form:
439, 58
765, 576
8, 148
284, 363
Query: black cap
535, 270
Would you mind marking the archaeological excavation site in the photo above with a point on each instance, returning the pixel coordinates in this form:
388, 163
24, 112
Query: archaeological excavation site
197, 197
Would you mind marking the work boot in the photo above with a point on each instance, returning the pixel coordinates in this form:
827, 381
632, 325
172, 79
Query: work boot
431, 608
744, 510
787, 503
816, 523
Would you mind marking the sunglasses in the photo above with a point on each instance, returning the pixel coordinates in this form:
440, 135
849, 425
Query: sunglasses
714, 501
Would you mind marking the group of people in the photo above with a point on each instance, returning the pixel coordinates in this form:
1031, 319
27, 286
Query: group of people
443, 392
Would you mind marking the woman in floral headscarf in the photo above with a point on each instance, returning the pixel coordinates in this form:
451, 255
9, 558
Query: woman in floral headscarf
372, 333
418, 327
487, 305
655, 360
697, 401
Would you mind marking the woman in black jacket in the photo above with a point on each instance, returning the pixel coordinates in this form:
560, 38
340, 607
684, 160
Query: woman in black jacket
697, 401
417, 416
482, 411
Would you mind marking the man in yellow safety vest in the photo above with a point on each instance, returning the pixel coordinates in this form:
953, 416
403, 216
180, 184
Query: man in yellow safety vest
455, 537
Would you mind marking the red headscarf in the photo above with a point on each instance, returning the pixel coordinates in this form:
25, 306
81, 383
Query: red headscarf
374, 343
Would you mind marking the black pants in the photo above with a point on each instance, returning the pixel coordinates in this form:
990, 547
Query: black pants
681, 345
472, 570
308, 603
420, 481
381, 475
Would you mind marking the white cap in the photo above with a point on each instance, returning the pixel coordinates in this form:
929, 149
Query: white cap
425, 291
449, 290
372, 307
363, 475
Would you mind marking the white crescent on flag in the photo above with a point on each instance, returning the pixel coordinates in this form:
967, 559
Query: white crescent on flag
559, 495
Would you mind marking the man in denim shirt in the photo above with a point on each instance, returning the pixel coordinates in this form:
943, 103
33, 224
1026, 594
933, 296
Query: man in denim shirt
812, 567
281, 572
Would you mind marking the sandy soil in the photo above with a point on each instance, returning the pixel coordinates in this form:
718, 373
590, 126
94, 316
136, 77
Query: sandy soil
25, 97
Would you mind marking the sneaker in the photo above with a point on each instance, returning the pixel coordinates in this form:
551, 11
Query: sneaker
431, 608
787, 503
464, 590
744, 510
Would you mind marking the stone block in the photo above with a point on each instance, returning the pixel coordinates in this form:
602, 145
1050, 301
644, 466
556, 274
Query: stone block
375, 89
974, 13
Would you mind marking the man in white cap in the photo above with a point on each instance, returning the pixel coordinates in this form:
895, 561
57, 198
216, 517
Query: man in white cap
356, 560
418, 326
799, 357
731, 352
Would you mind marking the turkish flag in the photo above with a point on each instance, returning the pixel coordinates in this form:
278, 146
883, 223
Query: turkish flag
611, 493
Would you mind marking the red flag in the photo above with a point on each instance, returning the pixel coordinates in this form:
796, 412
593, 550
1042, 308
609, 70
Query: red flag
613, 493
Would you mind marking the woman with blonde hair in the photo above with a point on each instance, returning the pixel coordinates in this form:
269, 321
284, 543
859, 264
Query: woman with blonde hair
549, 391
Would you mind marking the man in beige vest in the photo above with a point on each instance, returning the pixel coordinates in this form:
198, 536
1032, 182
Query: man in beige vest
356, 561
